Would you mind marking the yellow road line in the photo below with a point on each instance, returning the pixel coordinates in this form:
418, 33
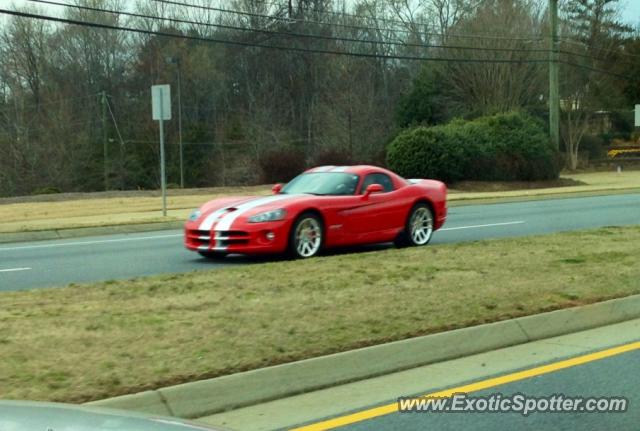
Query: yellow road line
473, 387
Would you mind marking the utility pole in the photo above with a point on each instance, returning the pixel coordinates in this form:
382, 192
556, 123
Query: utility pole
180, 126
105, 140
177, 62
163, 175
554, 91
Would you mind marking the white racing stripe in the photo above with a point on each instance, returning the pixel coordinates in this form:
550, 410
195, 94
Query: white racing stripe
227, 220
482, 225
70, 244
215, 216
208, 222
14, 269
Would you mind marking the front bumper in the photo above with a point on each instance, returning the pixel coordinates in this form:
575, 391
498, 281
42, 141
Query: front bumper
250, 238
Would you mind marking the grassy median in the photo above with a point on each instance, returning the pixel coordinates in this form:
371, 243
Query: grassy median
87, 342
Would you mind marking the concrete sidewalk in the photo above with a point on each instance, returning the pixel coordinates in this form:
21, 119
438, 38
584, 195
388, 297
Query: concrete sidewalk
291, 411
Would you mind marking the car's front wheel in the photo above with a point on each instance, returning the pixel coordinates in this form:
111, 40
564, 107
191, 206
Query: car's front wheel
306, 236
419, 227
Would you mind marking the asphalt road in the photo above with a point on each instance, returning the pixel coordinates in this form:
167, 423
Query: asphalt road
29, 265
599, 362
611, 377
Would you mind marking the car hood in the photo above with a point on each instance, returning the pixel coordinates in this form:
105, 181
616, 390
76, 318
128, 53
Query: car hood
31, 416
229, 208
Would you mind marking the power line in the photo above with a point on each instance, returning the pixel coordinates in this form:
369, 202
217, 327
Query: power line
298, 49
257, 45
52, 102
595, 69
315, 36
383, 19
350, 15
590, 57
349, 26
581, 44
290, 34
115, 123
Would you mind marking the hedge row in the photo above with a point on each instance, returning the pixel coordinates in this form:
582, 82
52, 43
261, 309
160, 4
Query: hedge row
503, 147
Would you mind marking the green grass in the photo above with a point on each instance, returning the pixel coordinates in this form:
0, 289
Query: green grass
87, 342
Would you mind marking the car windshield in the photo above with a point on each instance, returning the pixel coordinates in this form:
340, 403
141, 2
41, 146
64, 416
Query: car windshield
323, 183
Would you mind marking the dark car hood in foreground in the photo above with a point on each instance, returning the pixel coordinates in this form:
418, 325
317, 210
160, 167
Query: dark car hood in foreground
34, 416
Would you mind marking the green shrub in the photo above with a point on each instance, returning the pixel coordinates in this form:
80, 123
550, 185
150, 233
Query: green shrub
424, 152
504, 147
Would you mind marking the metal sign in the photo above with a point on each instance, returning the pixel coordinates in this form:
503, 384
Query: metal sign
637, 115
161, 102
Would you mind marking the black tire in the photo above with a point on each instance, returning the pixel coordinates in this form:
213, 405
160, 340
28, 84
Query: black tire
310, 222
213, 254
408, 237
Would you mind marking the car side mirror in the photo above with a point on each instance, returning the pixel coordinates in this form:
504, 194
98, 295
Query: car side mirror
373, 188
276, 188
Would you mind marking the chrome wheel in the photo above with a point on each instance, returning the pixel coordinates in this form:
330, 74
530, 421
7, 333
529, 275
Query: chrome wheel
308, 237
421, 225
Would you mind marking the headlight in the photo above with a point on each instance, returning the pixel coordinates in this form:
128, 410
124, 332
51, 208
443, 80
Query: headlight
195, 215
268, 216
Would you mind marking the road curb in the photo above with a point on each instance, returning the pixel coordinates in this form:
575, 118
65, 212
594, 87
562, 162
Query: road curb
45, 235
206, 397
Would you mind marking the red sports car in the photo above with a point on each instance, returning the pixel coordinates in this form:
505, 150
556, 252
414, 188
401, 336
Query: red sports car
328, 206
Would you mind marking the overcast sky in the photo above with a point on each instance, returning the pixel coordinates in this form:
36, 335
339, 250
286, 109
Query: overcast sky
631, 12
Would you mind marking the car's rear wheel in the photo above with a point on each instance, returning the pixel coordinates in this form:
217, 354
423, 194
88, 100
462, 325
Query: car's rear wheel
213, 254
419, 228
306, 236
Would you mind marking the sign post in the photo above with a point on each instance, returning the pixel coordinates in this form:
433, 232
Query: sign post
161, 111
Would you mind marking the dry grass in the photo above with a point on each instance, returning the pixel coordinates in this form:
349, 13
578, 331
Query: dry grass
109, 211
72, 211
585, 183
92, 341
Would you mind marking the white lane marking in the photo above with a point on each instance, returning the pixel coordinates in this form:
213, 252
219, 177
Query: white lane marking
483, 225
14, 269
143, 238
104, 241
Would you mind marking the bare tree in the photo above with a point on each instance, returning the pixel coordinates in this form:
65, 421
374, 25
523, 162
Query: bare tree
594, 31
486, 88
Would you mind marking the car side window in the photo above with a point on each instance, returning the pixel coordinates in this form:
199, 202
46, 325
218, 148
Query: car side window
383, 179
